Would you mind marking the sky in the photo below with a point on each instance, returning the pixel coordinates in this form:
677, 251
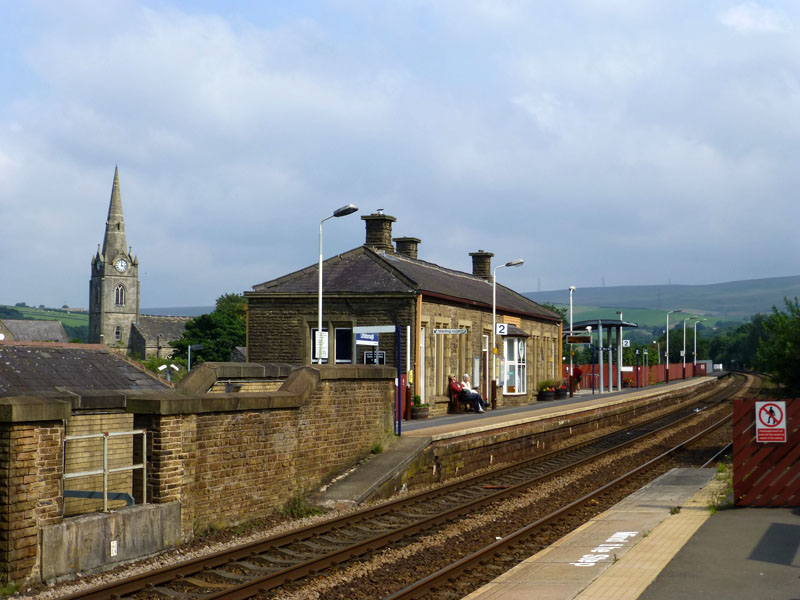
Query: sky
605, 142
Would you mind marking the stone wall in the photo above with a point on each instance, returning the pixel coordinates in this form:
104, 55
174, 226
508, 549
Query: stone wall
279, 329
31, 455
225, 457
229, 465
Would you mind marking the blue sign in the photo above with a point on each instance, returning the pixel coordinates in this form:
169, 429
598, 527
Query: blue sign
367, 339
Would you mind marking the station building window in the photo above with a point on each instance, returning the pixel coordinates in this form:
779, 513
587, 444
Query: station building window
342, 345
516, 366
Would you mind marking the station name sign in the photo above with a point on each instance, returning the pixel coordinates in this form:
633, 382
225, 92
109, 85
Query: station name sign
579, 339
449, 331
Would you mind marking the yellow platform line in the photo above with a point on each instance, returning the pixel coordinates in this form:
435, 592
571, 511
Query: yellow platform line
629, 577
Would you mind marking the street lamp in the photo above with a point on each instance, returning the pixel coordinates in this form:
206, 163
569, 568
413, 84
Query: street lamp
658, 350
694, 352
666, 354
572, 288
339, 212
512, 263
195, 347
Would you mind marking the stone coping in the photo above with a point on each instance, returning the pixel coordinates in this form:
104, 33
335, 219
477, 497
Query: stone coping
299, 384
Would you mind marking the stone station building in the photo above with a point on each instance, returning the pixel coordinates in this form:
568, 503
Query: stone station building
444, 316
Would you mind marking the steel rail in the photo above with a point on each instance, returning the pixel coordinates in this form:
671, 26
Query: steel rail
261, 585
418, 588
219, 559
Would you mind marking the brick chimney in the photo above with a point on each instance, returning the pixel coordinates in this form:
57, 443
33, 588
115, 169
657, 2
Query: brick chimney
482, 264
407, 246
379, 231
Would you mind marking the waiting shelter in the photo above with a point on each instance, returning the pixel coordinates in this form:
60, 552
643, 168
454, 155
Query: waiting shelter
605, 337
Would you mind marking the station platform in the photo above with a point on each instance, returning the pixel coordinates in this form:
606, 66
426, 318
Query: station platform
360, 483
664, 543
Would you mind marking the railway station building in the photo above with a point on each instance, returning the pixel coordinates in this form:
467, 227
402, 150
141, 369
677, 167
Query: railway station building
444, 318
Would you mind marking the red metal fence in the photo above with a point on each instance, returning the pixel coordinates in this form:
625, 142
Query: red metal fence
647, 375
765, 473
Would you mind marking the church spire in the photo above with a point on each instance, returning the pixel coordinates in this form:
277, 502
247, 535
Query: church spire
114, 242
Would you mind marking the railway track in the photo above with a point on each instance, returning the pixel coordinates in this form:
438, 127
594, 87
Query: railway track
254, 569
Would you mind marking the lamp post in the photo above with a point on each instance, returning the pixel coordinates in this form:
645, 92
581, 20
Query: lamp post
658, 351
694, 352
195, 347
512, 263
339, 212
666, 354
572, 288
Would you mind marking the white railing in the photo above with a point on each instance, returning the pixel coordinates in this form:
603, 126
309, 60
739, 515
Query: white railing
105, 471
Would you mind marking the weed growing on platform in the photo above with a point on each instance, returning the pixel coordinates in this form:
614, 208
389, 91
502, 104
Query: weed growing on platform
299, 508
721, 498
9, 589
674, 510
377, 448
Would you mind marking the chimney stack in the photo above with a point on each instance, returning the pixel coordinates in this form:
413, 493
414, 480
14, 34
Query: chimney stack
481, 264
379, 231
407, 246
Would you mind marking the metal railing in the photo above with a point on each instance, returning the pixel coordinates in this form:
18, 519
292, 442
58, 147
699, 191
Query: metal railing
106, 471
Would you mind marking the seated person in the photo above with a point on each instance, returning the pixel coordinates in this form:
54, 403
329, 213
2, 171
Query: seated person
468, 386
457, 391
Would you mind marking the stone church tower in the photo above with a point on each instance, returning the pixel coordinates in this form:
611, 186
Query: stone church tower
114, 286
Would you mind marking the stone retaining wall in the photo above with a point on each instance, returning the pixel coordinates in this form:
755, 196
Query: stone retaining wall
225, 458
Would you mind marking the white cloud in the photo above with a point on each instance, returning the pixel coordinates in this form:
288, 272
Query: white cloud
750, 17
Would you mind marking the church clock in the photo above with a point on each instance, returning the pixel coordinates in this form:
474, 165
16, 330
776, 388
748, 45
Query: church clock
121, 265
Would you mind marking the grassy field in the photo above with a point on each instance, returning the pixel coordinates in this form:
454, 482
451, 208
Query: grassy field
49, 314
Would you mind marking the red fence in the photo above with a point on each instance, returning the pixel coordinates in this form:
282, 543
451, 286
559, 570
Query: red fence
647, 375
765, 473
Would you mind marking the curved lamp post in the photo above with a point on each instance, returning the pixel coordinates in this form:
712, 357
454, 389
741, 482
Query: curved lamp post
694, 352
512, 263
339, 212
666, 354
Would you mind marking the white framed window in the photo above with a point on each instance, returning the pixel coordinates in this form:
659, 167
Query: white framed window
516, 368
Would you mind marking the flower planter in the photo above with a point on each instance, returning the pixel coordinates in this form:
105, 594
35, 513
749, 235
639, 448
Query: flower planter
547, 395
419, 412
561, 393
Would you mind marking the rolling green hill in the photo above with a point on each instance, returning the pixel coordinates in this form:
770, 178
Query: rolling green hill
734, 301
76, 324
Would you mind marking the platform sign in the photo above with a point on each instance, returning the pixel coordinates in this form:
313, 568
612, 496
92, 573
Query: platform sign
366, 339
449, 331
579, 339
626, 343
771, 421
501, 328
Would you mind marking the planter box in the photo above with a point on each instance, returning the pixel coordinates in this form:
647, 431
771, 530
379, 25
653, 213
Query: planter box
562, 393
547, 395
419, 412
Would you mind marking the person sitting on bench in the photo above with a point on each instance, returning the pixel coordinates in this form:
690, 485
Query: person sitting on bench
468, 387
458, 393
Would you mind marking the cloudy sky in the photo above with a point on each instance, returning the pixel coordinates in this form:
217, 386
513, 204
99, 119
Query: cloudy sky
606, 142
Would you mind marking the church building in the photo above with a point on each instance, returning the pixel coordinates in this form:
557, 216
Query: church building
114, 295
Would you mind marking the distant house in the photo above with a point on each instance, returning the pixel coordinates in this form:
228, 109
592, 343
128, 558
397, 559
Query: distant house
18, 330
444, 317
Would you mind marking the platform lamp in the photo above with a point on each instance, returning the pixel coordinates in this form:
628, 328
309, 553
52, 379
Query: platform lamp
572, 288
666, 354
694, 352
193, 347
339, 212
512, 263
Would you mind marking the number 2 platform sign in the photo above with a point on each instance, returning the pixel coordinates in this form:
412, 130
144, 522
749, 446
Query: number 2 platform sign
771, 421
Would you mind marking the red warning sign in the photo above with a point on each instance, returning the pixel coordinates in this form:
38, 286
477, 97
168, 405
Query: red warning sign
771, 421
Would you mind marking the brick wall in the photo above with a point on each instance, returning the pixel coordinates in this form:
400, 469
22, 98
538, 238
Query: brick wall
227, 466
30, 492
279, 329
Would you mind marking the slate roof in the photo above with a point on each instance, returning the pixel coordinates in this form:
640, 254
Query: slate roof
25, 330
169, 328
365, 271
36, 368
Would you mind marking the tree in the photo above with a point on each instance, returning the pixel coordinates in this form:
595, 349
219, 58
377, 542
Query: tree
219, 331
779, 350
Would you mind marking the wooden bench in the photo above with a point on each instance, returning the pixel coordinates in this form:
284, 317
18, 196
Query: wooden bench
457, 405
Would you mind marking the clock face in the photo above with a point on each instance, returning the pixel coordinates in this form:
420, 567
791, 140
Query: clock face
121, 265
